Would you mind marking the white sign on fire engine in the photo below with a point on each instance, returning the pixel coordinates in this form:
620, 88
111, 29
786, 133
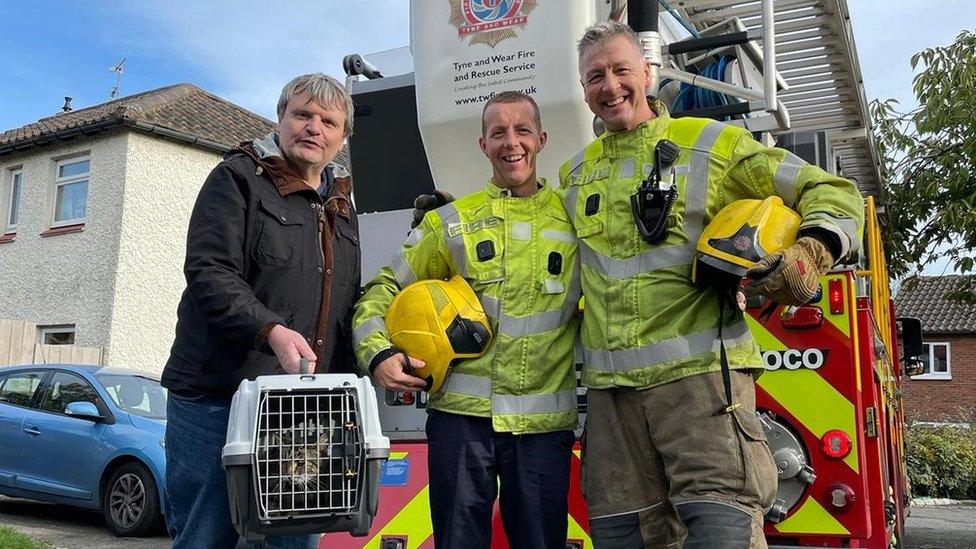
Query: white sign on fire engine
465, 51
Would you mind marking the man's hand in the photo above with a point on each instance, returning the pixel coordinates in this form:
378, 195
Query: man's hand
289, 346
392, 374
427, 202
791, 276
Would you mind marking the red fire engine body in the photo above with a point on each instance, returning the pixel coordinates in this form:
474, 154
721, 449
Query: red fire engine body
831, 396
831, 407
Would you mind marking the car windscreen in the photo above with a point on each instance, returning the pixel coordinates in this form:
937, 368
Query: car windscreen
136, 395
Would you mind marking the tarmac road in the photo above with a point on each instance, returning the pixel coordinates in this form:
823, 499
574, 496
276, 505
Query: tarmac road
942, 526
932, 527
68, 527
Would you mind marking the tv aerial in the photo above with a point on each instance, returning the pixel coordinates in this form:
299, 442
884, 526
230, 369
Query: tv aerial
117, 69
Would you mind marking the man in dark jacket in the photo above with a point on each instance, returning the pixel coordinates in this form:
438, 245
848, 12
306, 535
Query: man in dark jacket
272, 270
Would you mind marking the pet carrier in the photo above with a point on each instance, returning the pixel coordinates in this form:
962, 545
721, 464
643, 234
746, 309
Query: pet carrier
303, 455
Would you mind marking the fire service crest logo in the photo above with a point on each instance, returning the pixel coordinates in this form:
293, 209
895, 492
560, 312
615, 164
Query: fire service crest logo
490, 21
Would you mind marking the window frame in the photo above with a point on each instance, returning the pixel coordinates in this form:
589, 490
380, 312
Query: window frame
44, 374
8, 202
68, 180
947, 375
56, 329
41, 396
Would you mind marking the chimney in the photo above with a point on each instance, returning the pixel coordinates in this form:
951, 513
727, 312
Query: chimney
67, 105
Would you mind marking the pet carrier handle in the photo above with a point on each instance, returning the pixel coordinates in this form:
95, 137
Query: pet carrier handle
303, 366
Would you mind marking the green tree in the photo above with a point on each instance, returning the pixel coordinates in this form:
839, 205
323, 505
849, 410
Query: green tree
928, 164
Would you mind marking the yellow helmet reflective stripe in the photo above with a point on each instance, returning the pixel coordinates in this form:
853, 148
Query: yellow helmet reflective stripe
438, 321
741, 234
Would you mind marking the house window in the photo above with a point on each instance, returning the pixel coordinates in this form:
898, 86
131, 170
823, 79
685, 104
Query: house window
71, 192
63, 334
11, 215
937, 360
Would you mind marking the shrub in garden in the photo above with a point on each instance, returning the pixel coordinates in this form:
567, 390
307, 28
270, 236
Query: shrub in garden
941, 461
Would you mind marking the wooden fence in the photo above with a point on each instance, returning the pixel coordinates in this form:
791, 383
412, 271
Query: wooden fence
18, 345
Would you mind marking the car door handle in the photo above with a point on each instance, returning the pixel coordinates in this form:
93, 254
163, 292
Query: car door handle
33, 431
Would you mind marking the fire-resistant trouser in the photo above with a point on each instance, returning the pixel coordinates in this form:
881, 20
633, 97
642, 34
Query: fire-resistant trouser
659, 464
469, 464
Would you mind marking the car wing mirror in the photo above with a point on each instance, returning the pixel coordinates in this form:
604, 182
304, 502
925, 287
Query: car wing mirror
84, 410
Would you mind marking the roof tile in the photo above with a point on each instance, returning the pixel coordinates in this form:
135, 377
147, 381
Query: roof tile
926, 301
183, 108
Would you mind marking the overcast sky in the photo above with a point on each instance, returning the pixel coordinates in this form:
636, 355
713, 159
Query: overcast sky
246, 50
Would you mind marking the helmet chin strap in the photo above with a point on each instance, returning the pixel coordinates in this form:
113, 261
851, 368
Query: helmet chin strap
409, 369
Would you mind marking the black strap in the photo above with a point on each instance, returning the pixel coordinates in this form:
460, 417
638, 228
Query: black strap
724, 359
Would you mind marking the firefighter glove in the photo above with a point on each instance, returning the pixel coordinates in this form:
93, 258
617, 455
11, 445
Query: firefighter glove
791, 276
427, 202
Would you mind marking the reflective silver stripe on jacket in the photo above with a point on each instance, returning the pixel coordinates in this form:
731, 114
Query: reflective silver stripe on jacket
624, 360
697, 183
480, 387
650, 260
455, 244
521, 326
561, 236
844, 227
784, 179
371, 326
569, 200
576, 163
521, 230
402, 270
627, 167
674, 255
413, 237
467, 384
563, 401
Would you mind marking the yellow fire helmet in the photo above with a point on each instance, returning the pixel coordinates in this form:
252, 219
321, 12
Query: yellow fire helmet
438, 321
741, 234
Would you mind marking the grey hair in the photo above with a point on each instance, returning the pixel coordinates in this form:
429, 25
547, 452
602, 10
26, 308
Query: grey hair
603, 31
323, 89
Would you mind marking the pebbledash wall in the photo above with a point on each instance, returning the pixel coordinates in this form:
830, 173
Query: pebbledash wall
952, 399
119, 280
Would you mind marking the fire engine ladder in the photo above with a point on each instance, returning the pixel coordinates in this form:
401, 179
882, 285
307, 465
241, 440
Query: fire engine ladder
816, 55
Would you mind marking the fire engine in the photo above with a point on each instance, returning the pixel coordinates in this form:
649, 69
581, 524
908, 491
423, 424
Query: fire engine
830, 399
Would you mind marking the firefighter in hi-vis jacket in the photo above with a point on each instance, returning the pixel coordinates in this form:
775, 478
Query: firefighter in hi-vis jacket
673, 446
509, 414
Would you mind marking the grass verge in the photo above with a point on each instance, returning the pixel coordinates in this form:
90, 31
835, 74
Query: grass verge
9, 539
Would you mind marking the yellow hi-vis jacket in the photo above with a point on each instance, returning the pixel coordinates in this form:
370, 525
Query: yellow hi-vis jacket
526, 380
645, 322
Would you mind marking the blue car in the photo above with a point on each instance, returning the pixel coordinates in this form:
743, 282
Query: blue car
88, 436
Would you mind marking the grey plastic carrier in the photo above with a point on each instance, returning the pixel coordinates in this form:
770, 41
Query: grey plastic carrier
303, 455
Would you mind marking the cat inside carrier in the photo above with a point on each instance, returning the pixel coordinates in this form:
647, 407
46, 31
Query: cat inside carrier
304, 455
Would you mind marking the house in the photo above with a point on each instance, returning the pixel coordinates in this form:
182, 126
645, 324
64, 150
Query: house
946, 391
95, 204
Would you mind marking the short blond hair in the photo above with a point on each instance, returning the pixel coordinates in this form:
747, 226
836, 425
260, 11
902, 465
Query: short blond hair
323, 89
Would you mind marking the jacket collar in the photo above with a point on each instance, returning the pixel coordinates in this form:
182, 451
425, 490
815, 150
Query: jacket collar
536, 201
267, 154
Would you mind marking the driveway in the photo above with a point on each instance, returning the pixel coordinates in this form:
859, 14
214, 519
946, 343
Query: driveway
934, 527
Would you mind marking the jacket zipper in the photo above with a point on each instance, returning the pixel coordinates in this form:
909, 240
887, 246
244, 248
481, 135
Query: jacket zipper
320, 210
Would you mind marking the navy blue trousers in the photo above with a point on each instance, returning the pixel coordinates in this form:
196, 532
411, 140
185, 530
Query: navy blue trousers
470, 465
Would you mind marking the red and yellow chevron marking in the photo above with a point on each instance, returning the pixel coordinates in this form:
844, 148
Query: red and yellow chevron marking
404, 511
816, 401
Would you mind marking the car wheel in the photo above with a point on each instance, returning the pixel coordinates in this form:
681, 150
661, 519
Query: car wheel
131, 502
